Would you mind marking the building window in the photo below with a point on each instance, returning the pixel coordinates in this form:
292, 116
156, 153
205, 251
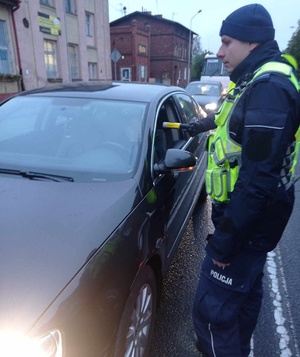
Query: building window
179, 74
89, 24
50, 55
92, 70
125, 74
5, 57
142, 70
70, 6
73, 58
180, 51
47, 2
175, 51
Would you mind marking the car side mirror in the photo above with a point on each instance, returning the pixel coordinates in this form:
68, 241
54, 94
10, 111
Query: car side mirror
176, 160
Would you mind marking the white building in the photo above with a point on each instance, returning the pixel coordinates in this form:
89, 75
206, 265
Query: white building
57, 40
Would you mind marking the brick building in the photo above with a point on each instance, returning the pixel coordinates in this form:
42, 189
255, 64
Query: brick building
152, 49
132, 45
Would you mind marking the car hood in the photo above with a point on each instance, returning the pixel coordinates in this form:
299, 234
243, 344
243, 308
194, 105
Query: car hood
48, 230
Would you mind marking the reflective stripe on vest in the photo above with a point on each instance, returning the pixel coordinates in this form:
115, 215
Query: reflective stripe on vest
296, 175
224, 154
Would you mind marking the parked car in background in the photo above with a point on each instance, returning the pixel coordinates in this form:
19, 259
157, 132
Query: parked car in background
208, 94
95, 197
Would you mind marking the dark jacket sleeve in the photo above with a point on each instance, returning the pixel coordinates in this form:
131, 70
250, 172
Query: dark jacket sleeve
204, 124
270, 121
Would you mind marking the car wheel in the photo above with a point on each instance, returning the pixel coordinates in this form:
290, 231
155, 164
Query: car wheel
137, 323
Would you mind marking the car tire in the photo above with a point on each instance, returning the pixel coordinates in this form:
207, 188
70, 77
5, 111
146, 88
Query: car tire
137, 323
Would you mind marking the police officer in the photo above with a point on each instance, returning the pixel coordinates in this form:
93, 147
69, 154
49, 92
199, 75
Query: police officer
251, 159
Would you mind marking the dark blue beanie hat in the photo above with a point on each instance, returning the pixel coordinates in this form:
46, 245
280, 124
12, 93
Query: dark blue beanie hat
250, 23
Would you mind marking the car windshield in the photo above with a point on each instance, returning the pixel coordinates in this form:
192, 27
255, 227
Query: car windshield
87, 140
204, 89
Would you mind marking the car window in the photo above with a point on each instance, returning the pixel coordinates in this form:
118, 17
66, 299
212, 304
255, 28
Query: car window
88, 139
203, 88
189, 107
166, 138
194, 88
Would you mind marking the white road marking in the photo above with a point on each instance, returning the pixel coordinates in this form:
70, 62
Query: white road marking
288, 305
252, 348
276, 274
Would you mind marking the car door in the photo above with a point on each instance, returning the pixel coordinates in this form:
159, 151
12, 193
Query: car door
178, 190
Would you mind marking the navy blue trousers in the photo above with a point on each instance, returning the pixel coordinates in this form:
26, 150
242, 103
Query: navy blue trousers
227, 305
228, 301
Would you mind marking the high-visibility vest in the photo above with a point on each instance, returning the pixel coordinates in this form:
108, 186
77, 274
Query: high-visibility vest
224, 154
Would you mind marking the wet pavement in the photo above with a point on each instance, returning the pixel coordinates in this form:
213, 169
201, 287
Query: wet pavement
174, 334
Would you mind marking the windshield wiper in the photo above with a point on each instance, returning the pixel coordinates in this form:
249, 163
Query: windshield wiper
36, 175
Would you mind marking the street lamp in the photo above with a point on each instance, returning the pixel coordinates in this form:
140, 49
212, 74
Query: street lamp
190, 45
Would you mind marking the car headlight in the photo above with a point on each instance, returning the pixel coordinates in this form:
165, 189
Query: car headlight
13, 344
211, 106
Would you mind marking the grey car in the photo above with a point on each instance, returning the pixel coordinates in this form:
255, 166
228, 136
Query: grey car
209, 94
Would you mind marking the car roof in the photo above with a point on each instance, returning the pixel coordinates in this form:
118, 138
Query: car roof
144, 92
206, 82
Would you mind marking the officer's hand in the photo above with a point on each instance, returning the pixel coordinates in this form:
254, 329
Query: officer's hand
196, 127
220, 265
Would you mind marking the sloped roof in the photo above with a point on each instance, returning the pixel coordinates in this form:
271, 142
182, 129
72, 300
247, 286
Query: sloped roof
146, 15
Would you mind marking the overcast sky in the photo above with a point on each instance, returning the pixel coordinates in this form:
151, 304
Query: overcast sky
207, 23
